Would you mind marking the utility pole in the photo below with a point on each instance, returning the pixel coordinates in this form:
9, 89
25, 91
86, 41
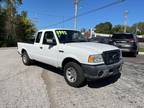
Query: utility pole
75, 14
76, 2
125, 21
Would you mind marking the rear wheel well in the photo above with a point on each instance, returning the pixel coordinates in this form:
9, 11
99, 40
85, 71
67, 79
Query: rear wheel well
67, 60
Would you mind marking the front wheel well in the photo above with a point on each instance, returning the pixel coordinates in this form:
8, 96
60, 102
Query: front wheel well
22, 51
67, 60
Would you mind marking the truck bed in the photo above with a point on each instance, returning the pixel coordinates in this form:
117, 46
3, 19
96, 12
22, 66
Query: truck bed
25, 45
29, 41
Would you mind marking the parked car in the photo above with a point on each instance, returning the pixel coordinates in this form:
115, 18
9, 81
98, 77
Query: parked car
100, 39
68, 50
127, 42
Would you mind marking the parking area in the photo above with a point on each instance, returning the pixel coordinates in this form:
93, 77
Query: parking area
43, 86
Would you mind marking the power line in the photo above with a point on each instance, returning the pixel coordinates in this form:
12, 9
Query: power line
88, 12
36, 19
80, 1
103, 7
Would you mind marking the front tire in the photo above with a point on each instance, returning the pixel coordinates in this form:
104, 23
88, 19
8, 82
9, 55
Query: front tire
25, 58
73, 74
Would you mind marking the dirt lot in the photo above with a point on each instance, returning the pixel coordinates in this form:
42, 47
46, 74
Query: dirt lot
43, 86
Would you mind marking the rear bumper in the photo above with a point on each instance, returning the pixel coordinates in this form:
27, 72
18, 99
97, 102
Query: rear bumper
131, 48
101, 71
128, 50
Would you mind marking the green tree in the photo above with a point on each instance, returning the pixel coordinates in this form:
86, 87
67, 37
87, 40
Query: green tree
13, 26
105, 27
10, 7
24, 27
11, 13
118, 29
137, 28
2, 24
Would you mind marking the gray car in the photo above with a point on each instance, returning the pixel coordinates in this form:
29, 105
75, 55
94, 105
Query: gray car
127, 42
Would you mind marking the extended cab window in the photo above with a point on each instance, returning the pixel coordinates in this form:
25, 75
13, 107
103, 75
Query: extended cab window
38, 37
49, 38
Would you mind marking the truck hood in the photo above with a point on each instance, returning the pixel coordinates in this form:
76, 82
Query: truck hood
92, 47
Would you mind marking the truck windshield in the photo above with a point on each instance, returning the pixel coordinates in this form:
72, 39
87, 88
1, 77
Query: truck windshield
69, 36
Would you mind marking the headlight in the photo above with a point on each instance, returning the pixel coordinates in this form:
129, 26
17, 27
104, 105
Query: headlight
95, 58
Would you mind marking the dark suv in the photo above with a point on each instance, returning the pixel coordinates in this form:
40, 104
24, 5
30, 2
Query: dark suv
126, 42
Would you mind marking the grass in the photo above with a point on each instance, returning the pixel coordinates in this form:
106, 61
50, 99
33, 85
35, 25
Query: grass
141, 50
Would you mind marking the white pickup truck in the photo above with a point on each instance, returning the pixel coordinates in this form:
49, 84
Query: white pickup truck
69, 50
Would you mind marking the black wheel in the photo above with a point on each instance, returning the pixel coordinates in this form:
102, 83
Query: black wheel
73, 74
25, 58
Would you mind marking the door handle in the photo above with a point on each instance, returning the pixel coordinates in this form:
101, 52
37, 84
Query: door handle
61, 51
41, 47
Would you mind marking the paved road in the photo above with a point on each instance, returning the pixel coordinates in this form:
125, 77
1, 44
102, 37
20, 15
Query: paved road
43, 86
138, 60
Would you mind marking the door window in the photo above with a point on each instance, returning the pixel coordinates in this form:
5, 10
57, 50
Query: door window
49, 38
38, 37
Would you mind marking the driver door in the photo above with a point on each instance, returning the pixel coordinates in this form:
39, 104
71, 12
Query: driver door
49, 49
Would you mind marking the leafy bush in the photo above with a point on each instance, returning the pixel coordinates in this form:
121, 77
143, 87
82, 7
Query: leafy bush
141, 49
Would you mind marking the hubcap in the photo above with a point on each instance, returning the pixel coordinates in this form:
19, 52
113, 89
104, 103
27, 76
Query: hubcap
24, 58
71, 74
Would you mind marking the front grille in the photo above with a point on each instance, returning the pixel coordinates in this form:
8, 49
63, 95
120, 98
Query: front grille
111, 57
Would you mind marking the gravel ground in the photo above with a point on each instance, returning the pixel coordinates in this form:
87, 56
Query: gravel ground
43, 86
20, 86
127, 92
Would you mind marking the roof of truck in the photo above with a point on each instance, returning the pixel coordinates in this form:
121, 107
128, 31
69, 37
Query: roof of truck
55, 29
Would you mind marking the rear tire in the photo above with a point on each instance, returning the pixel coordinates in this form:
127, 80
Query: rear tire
73, 74
25, 58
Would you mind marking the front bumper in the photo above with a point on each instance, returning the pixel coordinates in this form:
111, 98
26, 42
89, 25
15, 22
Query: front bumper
101, 71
